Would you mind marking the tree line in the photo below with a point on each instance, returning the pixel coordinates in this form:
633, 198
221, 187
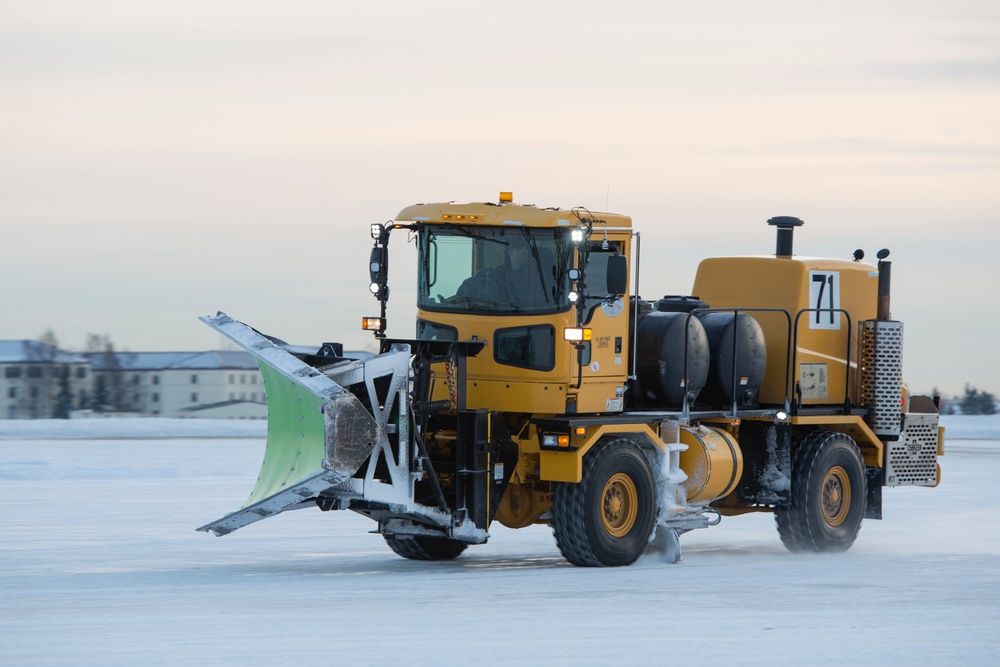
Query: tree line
972, 402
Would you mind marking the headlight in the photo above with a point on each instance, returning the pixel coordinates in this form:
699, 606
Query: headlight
577, 335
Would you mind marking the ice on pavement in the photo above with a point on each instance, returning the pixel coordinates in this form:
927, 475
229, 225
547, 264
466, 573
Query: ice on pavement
962, 427
132, 428
100, 565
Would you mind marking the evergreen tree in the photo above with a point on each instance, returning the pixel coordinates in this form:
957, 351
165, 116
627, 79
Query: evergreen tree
977, 402
64, 399
108, 392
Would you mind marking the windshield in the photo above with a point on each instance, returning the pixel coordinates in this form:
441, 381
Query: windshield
506, 270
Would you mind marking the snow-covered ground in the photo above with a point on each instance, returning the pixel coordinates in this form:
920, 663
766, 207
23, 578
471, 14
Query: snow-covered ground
100, 565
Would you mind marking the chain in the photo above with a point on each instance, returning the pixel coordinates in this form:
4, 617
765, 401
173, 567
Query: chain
450, 372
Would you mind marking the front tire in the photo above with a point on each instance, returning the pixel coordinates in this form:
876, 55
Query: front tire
606, 519
829, 493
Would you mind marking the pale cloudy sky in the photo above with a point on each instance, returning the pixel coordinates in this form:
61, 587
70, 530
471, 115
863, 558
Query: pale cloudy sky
160, 161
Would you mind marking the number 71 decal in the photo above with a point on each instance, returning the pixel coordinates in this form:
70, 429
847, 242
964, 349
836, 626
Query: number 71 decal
824, 295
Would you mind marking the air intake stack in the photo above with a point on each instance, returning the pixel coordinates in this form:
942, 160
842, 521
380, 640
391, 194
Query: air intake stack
786, 225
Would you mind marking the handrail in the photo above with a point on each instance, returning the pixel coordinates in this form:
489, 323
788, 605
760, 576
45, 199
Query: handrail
847, 357
736, 312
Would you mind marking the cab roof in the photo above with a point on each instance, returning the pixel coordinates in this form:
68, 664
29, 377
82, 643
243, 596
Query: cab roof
525, 215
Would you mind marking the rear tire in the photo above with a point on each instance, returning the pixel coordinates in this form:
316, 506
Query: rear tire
425, 547
829, 493
606, 519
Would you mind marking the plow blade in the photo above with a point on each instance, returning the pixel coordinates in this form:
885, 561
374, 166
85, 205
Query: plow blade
319, 433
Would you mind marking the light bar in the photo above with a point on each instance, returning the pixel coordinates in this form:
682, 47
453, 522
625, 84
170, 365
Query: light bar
577, 335
461, 216
372, 324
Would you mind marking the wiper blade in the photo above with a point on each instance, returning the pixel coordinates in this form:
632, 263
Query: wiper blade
538, 262
473, 235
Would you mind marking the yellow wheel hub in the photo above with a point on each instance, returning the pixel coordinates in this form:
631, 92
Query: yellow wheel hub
836, 496
620, 505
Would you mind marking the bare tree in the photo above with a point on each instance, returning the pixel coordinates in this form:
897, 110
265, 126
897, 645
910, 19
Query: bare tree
41, 376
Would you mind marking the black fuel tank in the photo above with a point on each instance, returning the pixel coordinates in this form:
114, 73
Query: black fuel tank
750, 350
660, 338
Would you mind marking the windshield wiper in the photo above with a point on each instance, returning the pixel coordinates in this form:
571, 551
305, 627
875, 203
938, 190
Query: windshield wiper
538, 262
473, 235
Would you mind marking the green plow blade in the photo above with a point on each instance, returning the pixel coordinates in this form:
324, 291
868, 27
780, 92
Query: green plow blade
295, 436
319, 434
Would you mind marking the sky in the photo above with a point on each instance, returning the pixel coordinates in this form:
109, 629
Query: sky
162, 161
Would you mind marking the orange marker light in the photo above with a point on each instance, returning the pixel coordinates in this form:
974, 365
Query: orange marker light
372, 323
576, 334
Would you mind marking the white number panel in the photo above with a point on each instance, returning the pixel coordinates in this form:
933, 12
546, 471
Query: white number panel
824, 294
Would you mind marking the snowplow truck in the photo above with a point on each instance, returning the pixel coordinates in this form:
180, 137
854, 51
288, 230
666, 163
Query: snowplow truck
540, 388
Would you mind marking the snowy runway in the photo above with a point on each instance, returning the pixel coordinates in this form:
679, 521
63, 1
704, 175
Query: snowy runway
100, 565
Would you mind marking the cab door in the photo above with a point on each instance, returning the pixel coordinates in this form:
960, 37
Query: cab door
604, 369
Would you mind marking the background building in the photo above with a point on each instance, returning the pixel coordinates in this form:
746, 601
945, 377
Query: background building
219, 384
38, 380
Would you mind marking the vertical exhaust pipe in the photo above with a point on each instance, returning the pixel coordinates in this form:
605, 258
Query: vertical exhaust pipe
786, 225
884, 285
880, 367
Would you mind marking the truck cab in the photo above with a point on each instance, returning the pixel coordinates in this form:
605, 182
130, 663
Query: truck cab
517, 278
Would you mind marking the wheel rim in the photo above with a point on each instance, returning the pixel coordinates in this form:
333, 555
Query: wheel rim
836, 496
620, 504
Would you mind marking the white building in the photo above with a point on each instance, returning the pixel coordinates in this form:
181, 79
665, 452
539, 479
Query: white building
218, 384
39, 381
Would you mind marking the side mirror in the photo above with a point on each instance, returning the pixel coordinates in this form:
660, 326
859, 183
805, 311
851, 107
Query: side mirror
617, 274
377, 268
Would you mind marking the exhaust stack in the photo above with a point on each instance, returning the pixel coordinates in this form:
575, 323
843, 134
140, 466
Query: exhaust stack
884, 285
786, 225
